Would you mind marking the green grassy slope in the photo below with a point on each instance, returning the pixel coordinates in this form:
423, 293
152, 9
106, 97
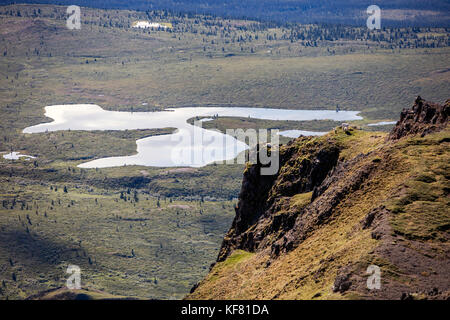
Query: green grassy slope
148, 248
396, 217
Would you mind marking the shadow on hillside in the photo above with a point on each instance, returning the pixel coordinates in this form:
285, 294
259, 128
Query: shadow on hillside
30, 249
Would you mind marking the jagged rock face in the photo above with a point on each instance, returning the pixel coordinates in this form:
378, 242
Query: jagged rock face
303, 167
365, 200
423, 118
345, 178
306, 166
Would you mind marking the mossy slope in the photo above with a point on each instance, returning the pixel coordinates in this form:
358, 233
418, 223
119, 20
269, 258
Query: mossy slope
385, 203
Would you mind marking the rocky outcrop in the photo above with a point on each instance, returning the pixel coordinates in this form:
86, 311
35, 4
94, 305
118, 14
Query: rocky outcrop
304, 164
347, 177
423, 118
356, 188
264, 216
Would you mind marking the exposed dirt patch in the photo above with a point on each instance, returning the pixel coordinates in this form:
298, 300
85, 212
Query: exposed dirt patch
180, 206
178, 170
144, 173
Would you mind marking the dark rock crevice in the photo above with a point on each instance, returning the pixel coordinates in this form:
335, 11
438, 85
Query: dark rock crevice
303, 167
343, 180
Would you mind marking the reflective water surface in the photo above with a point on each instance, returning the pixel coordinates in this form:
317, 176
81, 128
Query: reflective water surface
17, 156
188, 146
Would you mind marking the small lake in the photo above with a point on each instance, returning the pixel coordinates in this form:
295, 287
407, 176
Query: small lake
17, 156
189, 146
382, 123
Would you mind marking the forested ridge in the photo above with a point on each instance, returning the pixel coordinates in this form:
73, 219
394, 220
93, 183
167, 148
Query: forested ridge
396, 13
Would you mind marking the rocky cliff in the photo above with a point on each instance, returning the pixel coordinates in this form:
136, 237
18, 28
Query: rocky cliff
340, 205
423, 118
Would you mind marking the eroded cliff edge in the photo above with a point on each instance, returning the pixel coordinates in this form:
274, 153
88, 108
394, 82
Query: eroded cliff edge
341, 203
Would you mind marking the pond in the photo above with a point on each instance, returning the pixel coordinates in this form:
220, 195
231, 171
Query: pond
17, 156
188, 146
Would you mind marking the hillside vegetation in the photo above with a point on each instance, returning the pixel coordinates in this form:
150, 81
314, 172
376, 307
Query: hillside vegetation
339, 204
